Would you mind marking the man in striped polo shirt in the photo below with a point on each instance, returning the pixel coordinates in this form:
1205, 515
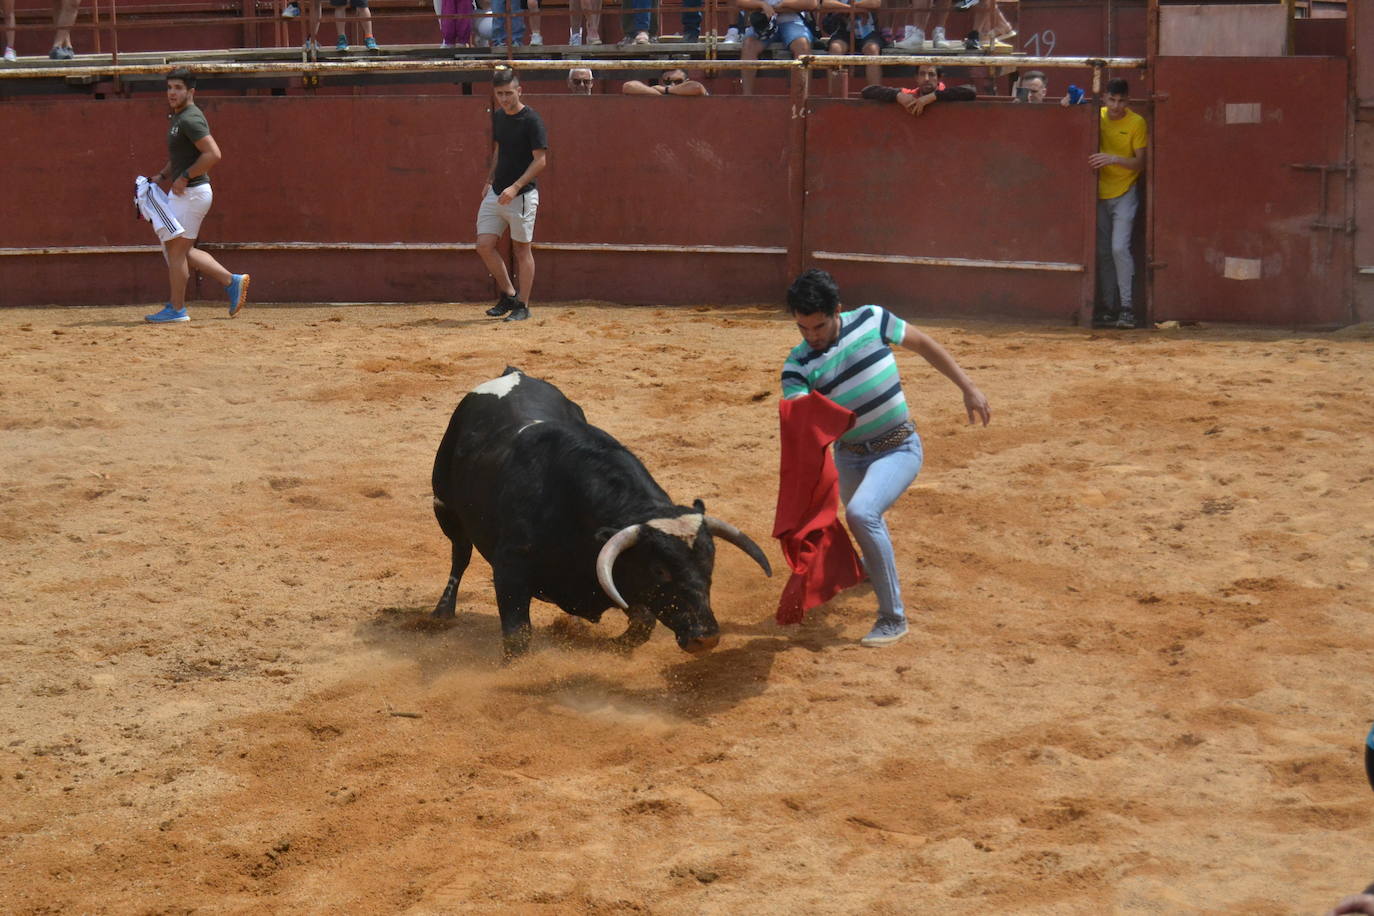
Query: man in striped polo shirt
846, 356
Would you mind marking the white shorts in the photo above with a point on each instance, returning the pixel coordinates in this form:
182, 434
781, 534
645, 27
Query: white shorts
190, 209
493, 218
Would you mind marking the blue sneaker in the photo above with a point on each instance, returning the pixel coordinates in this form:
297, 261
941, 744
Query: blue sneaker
167, 315
885, 632
237, 291
371, 43
341, 44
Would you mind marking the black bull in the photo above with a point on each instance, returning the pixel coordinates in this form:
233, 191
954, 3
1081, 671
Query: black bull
566, 514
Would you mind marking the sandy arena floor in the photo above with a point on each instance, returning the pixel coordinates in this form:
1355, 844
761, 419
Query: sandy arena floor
1137, 679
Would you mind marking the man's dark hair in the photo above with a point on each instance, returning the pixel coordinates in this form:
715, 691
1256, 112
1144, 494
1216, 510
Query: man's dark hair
186, 76
504, 76
1118, 87
1034, 75
813, 292
939, 71
664, 74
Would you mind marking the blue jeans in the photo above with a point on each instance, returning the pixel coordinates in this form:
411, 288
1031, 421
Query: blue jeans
1115, 266
691, 21
869, 485
498, 21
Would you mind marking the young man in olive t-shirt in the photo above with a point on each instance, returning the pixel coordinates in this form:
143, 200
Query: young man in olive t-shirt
509, 198
191, 151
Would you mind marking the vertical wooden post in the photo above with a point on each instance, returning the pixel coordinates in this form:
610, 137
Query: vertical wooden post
796, 172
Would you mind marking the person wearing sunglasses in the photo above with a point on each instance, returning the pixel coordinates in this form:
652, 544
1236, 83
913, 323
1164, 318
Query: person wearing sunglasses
672, 82
580, 81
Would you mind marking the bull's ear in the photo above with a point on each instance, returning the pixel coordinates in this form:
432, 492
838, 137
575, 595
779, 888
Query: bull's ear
604, 534
699, 506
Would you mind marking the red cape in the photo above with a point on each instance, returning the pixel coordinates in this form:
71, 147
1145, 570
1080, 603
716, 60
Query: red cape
814, 543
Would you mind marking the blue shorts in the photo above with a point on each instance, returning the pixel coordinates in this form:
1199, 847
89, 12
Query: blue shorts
785, 34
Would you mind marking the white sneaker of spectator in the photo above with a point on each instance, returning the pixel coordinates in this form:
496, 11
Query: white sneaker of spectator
575, 38
536, 39
292, 10
938, 39
913, 40
731, 36
10, 56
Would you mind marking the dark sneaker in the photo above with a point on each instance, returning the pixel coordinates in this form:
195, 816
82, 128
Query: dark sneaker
1127, 320
1104, 320
965, 4
885, 632
519, 313
971, 43
506, 303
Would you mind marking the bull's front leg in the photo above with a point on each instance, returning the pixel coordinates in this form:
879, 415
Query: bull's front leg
640, 629
512, 581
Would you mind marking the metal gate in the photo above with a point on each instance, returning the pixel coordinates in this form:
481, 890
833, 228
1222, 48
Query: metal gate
1250, 179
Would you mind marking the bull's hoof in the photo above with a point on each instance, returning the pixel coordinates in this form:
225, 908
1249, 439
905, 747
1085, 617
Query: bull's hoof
444, 611
516, 644
635, 635
701, 645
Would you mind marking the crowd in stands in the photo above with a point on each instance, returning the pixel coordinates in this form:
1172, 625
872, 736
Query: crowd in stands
797, 26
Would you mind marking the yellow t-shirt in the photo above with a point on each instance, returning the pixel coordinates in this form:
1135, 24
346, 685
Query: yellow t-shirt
1121, 137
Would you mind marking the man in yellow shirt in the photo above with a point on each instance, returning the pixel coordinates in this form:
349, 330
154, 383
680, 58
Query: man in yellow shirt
1119, 161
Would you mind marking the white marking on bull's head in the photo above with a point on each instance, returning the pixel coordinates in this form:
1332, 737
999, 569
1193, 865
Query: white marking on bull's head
685, 527
499, 386
439, 503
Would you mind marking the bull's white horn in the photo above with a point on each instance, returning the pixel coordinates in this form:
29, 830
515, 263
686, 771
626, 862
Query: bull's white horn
622, 540
741, 540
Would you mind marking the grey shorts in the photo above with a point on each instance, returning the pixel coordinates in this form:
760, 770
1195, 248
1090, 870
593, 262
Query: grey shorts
493, 218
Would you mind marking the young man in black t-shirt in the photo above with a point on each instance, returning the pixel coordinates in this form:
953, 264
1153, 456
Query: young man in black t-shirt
510, 199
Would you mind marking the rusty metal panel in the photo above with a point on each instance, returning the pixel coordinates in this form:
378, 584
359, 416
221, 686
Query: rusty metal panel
678, 173
410, 169
1080, 28
1364, 216
1362, 27
973, 208
1240, 234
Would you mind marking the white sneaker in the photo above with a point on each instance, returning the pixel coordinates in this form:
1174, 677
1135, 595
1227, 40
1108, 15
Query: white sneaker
913, 40
937, 35
885, 632
731, 36
575, 38
10, 55
536, 39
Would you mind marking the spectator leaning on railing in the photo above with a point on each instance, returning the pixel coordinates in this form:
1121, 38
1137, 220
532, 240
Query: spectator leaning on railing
672, 82
928, 91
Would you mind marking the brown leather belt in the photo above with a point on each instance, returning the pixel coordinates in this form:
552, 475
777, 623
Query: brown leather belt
884, 443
